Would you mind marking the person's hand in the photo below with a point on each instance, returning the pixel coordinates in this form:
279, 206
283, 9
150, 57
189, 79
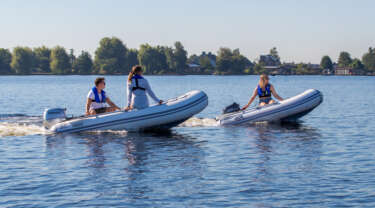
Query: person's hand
128, 108
244, 108
86, 113
161, 102
117, 108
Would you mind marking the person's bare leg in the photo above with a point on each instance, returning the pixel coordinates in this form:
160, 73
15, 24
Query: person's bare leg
262, 104
110, 109
271, 102
92, 112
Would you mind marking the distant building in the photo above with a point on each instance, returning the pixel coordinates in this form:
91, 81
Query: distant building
343, 71
278, 70
313, 66
327, 72
213, 62
196, 68
268, 60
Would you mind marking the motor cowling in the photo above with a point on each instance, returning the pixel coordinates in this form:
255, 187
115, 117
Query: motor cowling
231, 108
52, 116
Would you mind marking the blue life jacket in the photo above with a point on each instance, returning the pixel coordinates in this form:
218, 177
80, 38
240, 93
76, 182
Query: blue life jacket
137, 87
266, 93
97, 100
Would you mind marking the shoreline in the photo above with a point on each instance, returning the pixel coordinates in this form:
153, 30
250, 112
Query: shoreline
16, 75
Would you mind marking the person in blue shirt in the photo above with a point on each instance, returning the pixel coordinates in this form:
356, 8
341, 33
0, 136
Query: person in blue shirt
97, 99
264, 91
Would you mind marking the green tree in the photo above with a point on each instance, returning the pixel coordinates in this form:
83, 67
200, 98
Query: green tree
240, 63
193, 59
110, 56
42, 57
275, 54
5, 60
258, 69
228, 61
180, 56
205, 62
161, 63
60, 62
131, 58
153, 59
22, 60
72, 57
326, 63
224, 60
83, 64
171, 59
368, 60
344, 59
356, 64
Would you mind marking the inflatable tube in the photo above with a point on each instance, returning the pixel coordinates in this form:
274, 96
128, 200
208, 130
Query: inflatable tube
165, 116
290, 109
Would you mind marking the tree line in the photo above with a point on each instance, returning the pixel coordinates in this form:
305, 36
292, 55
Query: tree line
113, 57
346, 61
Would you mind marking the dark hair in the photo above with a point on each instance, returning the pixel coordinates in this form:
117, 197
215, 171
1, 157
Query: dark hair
99, 80
134, 71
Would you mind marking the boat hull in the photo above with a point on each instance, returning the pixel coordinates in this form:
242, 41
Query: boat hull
165, 116
290, 109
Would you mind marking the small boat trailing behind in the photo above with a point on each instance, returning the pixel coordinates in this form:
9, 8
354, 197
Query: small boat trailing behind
157, 117
289, 109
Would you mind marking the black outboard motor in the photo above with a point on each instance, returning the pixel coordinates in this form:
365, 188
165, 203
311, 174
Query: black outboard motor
52, 116
231, 108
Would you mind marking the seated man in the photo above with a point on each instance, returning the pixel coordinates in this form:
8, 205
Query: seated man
97, 99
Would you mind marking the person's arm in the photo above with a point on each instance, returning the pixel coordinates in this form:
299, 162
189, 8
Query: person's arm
88, 103
129, 97
274, 93
251, 99
151, 93
109, 101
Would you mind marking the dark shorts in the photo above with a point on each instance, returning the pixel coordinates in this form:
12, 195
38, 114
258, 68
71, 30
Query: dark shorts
265, 100
101, 110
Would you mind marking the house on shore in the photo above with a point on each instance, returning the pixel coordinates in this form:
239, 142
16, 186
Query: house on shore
347, 71
269, 60
194, 68
327, 72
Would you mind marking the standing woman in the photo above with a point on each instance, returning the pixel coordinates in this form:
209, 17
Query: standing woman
264, 90
137, 86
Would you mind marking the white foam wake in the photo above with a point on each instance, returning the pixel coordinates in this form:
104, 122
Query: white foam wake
199, 122
17, 129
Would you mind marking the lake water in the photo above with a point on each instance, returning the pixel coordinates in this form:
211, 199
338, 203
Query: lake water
326, 160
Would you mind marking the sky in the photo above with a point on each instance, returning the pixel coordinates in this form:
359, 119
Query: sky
302, 31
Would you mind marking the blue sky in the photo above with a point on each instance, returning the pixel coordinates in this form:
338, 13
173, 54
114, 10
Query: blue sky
301, 30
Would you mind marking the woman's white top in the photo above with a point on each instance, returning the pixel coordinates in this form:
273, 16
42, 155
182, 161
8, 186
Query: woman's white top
138, 97
95, 105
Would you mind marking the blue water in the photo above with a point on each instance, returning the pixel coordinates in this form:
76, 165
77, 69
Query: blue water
326, 160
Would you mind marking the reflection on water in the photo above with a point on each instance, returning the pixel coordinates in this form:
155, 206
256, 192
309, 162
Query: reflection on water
148, 160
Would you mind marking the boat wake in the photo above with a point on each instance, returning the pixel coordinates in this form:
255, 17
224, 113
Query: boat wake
20, 125
24, 125
199, 122
15, 129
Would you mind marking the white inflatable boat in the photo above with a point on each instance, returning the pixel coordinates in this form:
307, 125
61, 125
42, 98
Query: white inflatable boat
156, 117
287, 110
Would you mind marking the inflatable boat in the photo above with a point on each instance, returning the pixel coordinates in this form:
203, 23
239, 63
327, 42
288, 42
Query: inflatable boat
289, 109
156, 117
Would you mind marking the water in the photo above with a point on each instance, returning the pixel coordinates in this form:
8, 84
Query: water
326, 160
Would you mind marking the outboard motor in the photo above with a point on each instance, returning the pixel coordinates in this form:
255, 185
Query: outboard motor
52, 116
231, 108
